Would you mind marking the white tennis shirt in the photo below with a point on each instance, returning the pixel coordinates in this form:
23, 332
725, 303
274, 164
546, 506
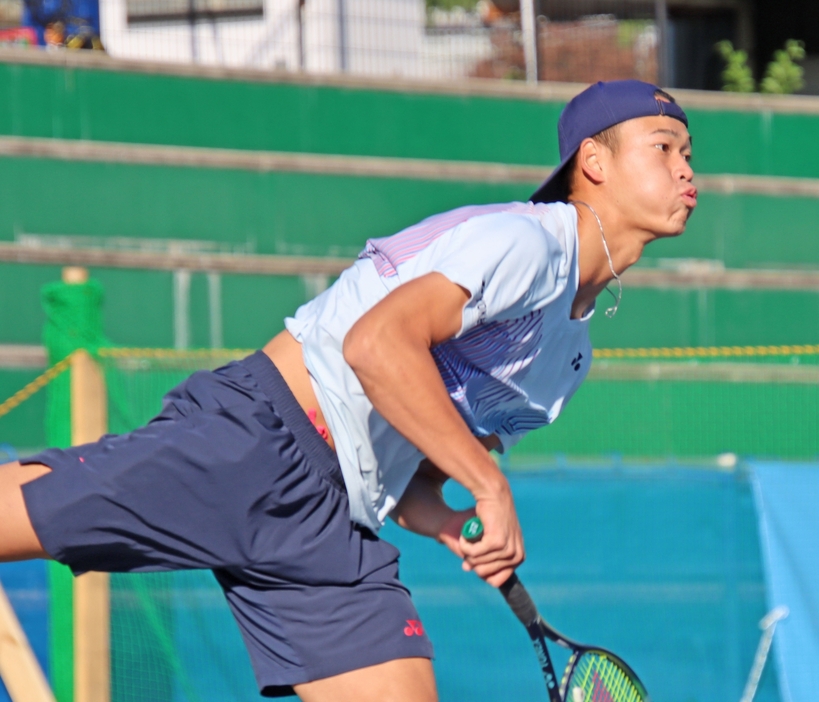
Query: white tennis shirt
512, 367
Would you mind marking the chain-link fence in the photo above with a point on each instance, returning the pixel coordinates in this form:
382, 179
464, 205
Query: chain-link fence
564, 40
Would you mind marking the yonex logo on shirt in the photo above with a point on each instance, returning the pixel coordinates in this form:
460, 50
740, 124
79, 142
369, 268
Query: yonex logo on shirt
413, 628
576, 361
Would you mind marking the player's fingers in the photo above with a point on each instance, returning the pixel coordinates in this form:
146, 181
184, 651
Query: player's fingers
494, 542
506, 550
494, 574
487, 565
512, 558
511, 561
487, 570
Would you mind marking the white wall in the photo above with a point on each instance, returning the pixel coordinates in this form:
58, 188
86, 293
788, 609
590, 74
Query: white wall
383, 38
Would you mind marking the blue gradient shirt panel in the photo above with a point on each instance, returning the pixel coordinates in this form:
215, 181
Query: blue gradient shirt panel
516, 361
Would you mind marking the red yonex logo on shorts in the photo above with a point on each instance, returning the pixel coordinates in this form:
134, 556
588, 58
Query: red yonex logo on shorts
413, 628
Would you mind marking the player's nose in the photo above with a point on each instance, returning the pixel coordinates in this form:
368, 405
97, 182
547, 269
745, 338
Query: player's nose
685, 171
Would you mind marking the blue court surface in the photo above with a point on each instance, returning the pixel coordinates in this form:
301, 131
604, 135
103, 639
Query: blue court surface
660, 564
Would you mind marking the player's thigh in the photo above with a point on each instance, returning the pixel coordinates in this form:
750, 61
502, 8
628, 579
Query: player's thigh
401, 680
17, 538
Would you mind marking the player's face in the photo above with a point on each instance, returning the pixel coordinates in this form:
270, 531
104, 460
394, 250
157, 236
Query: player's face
652, 174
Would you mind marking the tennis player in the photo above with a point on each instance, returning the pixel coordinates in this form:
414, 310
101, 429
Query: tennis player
453, 337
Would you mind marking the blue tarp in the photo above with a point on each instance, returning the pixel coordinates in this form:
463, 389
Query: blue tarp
788, 506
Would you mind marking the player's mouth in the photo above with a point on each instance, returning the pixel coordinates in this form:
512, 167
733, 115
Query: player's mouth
689, 197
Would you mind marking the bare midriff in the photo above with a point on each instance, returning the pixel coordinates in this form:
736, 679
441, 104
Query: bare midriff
286, 354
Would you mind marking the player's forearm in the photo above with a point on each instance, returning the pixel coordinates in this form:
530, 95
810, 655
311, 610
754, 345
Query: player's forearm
399, 376
421, 508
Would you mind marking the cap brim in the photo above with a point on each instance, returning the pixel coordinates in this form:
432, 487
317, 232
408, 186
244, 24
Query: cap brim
551, 189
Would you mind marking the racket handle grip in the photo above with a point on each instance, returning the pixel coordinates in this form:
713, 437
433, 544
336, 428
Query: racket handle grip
519, 601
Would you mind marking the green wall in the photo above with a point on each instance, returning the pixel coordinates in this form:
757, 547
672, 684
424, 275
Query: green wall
684, 420
138, 108
275, 211
287, 212
278, 213
82, 103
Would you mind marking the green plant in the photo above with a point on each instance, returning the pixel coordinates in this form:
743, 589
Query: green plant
783, 74
450, 4
736, 76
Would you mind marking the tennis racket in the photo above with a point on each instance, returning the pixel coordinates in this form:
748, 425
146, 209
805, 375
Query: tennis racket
592, 674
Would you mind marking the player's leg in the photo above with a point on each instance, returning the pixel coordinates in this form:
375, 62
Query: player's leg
17, 538
402, 680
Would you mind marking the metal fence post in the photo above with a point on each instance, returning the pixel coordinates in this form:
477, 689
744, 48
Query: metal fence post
528, 26
663, 60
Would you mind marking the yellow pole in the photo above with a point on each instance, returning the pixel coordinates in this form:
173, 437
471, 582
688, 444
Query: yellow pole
19, 668
92, 611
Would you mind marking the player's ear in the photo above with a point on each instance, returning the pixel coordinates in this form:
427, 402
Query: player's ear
590, 162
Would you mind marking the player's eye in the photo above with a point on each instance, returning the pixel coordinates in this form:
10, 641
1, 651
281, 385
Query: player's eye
661, 147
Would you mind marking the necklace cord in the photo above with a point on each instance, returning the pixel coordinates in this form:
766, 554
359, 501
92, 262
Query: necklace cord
611, 311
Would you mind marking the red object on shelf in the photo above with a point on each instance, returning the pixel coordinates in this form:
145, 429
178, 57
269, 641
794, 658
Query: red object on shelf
18, 36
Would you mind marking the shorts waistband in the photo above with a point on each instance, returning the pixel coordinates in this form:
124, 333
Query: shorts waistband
274, 386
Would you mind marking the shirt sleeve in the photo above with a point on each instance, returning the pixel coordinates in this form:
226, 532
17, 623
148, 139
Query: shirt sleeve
509, 263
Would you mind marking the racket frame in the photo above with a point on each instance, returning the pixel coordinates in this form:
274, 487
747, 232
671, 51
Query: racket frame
539, 630
524, 608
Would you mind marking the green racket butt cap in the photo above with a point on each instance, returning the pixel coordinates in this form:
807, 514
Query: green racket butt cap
472, 530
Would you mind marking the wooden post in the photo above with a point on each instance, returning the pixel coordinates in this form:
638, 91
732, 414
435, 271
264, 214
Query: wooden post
92, 612
92, 647
19, 669
89, 403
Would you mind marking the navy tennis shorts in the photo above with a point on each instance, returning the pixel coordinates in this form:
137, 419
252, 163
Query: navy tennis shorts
232, 476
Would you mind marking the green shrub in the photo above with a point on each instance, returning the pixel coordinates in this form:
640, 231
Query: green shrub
736, 76
783, 74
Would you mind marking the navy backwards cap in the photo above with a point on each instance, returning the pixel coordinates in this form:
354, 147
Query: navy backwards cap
597, 108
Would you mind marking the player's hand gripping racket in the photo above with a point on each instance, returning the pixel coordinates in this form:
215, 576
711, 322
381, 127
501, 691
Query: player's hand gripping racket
592, 674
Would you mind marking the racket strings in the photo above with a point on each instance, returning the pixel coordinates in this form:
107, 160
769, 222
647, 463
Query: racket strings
596, 678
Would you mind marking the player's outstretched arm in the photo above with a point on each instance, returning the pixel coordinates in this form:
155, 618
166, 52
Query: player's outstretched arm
389, 350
